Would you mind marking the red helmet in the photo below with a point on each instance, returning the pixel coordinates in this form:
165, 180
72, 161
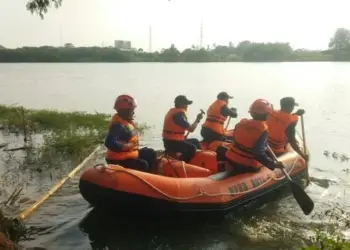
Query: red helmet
260, 107
124, 102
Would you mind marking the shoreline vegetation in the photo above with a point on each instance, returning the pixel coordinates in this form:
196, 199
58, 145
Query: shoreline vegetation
50, 140
245, 51
67, 133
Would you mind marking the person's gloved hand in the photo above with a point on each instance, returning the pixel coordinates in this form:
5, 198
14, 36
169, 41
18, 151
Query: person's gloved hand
130, 145
234, 111
199, 117
306, 157
300, 112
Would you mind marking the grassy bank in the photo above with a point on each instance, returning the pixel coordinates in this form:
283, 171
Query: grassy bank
67, 133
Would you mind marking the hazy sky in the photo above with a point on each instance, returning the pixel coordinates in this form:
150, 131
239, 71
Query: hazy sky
303, 23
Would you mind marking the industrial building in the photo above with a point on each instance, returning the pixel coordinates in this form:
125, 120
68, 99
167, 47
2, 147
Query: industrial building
122, 45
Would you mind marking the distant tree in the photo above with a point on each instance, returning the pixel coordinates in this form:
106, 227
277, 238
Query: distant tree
245, 51
69, 45
170, 55
339, 45
41, 7
243, 47
340, 39
140, 50
2, 47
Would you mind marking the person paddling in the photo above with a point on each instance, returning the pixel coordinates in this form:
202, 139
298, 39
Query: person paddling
122, 141
174, 128
282, 124
248, 152
213, 127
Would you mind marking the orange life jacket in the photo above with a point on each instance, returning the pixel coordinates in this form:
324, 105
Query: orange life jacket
125, 154
171, 130
246, 134
215, 120
213, 146
278, 122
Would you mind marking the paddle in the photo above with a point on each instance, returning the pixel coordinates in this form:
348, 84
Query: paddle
228, 123
188, 132
303, 133
304, 201
304, 144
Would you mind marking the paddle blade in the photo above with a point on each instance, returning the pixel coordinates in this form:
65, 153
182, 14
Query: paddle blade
304, 201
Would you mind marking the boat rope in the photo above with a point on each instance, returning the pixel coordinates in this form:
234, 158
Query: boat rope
201, 192
169, 159
184, 169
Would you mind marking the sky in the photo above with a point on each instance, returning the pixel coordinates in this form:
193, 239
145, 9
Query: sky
303, 23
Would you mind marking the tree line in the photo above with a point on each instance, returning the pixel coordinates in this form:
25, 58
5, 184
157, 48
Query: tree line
246, 51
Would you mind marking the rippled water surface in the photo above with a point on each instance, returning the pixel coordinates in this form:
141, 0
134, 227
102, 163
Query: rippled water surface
322, 89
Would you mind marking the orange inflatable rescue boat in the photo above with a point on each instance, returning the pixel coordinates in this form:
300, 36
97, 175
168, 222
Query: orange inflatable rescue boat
202, 185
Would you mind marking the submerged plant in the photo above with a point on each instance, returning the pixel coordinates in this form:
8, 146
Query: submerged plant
328, 233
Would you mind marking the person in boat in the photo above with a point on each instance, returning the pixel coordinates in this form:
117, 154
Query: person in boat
213, 128
248, 151
174, 128
282, 125
122, 141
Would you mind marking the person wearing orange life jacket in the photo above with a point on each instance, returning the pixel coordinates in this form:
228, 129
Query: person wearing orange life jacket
282, 124
248, 152
174, 128
122, 141
213, 128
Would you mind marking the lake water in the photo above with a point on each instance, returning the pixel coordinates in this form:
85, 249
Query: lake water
322, 89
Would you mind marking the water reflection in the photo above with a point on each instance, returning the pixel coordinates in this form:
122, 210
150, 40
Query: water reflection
252, 231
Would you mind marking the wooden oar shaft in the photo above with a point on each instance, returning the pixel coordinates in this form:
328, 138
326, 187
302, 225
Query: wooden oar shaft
286, 174
188, 132
275, 158
304, 201
25, 215
228, 123
303, 133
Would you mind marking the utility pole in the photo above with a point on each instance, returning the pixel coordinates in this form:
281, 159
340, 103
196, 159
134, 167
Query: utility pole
150, 39
201, 36
61, 36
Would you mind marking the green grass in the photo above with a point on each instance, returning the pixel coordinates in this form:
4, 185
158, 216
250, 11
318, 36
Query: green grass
45, 119
70, 133
325, 241
328, 233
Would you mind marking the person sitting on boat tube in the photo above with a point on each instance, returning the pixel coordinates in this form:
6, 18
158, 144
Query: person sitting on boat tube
248, 151
122, 141
282, 124
174, 128
213, 128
